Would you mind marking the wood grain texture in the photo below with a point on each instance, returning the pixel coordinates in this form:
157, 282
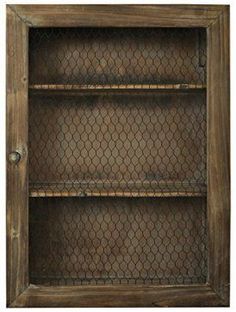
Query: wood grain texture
118, 296
17, 175
116, 188
118, 15
216, 20
219, 155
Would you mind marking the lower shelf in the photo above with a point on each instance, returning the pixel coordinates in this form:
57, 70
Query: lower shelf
118, 188
89, 241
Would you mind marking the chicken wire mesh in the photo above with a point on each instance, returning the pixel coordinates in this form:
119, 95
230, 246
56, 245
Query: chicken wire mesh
80, 241
91, 140
98, 56
133, 145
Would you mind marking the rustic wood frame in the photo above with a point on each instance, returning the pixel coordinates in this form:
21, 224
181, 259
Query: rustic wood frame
216, 20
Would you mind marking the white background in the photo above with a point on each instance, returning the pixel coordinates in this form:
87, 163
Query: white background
3, 135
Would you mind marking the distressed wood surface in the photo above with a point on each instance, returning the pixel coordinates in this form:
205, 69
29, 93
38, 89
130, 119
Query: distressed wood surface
118, 15
118, 188
119, 296
216, 20
219, 155
17, 174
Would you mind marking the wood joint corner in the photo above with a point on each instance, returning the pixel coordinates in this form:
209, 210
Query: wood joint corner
19, 301
24, 19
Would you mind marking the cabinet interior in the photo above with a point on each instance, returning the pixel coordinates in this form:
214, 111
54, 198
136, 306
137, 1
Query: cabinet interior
117, 156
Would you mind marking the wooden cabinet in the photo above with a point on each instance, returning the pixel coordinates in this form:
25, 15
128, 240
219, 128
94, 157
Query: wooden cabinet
118, 155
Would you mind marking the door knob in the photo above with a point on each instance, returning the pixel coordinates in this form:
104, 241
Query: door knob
14, 157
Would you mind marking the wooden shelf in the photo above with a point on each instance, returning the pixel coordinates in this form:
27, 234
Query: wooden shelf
115, 188
115, 87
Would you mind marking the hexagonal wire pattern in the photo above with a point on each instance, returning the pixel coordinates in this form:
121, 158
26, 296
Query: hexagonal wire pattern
89, 142
82, 241
93, 56
117, 145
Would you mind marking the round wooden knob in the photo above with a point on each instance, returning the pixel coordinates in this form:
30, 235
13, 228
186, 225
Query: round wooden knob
14, 157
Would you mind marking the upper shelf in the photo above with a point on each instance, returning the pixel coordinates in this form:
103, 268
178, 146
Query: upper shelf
112, 87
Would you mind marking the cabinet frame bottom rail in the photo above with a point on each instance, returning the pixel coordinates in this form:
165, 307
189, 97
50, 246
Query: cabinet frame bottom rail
118, 296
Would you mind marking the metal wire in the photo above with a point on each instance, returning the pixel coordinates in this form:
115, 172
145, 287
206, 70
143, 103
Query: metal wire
120, 145
117, 55
96, 131
79, 241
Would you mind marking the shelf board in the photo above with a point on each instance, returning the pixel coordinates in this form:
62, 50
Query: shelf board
117, 188
113, 87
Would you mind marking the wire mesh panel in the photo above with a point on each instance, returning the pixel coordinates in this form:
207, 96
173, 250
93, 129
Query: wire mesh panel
117, 113
76, 241
129, 145
101, 56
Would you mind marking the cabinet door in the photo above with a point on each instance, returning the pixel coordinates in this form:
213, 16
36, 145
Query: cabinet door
125, 106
